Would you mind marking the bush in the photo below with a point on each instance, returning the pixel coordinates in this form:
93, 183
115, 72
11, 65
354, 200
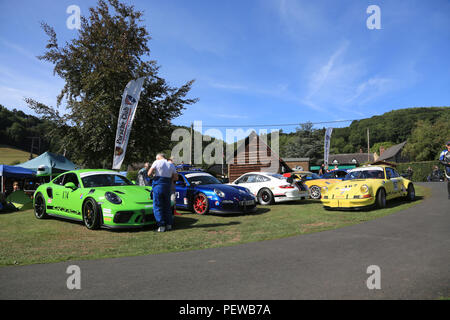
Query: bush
132, 175
421, 170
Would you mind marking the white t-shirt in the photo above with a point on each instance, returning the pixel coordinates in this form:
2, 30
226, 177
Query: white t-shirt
164, 168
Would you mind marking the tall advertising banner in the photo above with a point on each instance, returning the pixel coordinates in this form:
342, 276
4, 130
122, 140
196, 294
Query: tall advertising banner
326, 150
128, 107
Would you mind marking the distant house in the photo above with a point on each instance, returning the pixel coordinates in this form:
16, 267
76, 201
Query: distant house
255, 155
297, 163
347, 160
393, 154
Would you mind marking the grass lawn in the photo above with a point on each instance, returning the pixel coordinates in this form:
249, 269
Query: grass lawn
27, 240
10, 155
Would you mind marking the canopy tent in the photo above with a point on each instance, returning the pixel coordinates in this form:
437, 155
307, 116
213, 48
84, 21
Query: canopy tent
55, 162
13, 172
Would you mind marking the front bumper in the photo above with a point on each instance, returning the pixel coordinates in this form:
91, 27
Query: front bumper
123, 219
348, 204
230, 206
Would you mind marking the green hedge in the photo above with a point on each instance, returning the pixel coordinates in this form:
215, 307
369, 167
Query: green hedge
421, 170
132, 175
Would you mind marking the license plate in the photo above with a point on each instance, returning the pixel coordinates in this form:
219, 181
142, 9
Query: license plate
247, 203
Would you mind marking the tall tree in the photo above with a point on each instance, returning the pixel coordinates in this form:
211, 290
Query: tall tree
427, 139
111, 49
307, 142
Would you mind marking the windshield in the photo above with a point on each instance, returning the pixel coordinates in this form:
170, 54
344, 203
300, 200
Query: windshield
202, 179
105, 180
365, 174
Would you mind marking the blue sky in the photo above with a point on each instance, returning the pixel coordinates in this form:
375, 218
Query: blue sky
259, 61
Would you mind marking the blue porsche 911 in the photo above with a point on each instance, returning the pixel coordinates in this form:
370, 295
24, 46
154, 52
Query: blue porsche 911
201, 193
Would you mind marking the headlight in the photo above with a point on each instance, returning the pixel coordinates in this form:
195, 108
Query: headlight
219, 193
364, 188
113, 198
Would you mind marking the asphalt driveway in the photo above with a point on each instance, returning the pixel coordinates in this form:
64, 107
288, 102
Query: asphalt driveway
411, 249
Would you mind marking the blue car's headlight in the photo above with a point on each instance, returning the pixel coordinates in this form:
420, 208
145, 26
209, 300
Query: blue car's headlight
113, 198
219, 193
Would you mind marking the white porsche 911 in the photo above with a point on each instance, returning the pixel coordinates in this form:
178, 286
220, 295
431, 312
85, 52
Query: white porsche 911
272, 187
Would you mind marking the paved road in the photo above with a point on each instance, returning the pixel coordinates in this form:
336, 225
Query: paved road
411, 247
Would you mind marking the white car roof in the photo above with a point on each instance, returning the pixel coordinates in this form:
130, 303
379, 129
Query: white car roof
197, 174
366, 169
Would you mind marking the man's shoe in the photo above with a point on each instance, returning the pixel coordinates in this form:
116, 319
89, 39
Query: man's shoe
161, 229
168, 227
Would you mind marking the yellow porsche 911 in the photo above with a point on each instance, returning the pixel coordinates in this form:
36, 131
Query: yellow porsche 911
367, 186
314, 182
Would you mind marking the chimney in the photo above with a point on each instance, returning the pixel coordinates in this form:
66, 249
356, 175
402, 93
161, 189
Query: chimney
381, 150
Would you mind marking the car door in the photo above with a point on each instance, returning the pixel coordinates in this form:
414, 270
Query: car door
72, 199
391, 184
397, 182
181, 188
56, 190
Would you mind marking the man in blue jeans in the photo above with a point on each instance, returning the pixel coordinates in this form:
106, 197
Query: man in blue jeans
165, 173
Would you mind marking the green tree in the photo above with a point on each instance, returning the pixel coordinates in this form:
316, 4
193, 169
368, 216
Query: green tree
306, 143
111, 49
427, 139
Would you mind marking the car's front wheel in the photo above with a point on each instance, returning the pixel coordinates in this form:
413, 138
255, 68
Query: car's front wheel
411, 195
40, 209
201, 204
91, 214
314, 192
381, 199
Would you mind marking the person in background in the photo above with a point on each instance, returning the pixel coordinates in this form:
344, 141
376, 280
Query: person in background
409, 172
173, 198
322, 170
16, 186
142, 177
164, 174
444, 159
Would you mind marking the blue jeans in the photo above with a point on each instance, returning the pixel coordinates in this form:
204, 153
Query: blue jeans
161, 201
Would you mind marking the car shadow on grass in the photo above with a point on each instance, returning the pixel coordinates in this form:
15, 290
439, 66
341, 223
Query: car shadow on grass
258, 211
180, 223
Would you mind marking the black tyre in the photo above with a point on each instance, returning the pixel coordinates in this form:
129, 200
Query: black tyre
91, 214
411, 195
265, 197
40, 208
381, 199
314, 192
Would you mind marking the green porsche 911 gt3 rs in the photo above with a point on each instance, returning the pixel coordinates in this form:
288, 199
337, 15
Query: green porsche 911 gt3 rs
99, 198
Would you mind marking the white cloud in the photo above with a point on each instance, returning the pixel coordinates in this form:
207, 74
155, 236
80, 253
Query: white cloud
345, 83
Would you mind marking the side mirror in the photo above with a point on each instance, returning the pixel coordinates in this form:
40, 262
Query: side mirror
70, 185
180, 183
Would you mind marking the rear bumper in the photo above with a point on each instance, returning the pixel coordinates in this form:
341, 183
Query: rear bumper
291, 196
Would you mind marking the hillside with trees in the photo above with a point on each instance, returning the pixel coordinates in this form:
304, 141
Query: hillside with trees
17, 128
425, 129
